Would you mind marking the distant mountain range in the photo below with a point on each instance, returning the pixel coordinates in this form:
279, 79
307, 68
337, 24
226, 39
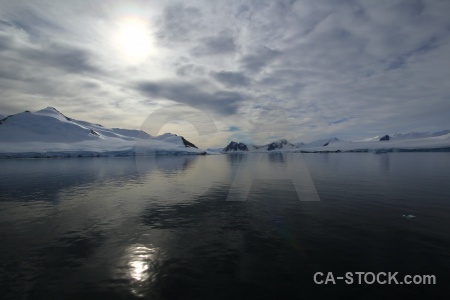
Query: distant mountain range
418, 141
48, 132
277, 145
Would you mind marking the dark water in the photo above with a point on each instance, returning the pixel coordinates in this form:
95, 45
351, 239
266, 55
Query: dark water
130, 228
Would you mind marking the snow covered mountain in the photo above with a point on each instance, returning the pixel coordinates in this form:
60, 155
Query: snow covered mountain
425, 141
49, 125
48, 132
439, 141
174, 139
280, 145
233, 146
321, 143
418, 135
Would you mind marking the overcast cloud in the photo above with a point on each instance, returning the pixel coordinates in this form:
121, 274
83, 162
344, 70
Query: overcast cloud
350, 69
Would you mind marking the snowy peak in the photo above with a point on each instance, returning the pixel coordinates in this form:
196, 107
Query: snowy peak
43, 126
419, 135
52, 112
49, 133
51, 126
437, 141
321, 143
234, 146
187, 144
173, 138
281, 144
404, 136
2, 119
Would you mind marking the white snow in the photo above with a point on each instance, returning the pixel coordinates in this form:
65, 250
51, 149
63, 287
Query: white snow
320, 143
407, 144
48, 132
282, 146
438, 141
417, 135
371, 139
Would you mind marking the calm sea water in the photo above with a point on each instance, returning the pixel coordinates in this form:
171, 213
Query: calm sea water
162, 228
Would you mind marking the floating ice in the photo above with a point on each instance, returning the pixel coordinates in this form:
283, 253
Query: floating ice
408, 216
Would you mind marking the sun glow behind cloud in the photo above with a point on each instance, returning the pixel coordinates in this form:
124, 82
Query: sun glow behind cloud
133, 40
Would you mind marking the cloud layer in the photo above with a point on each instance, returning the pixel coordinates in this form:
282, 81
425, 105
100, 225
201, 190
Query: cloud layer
350, 69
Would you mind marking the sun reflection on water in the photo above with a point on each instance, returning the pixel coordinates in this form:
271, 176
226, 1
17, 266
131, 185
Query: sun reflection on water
140, 260
138, 270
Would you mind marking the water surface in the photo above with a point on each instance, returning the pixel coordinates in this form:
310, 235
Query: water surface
162, 228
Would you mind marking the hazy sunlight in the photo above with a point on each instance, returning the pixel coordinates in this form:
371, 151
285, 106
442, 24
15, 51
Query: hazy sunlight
134, 39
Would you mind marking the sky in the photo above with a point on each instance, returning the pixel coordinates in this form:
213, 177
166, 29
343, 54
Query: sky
251, 71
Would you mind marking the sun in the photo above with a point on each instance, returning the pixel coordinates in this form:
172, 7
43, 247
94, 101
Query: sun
133, 39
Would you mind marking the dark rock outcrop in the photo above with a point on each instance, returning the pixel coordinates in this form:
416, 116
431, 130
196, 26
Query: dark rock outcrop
94, 133
385, 138
277, 145
187, 143
233, 146
330, 141
67, 118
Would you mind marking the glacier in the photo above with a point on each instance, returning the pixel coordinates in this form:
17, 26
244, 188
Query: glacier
425, 141
49, 133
